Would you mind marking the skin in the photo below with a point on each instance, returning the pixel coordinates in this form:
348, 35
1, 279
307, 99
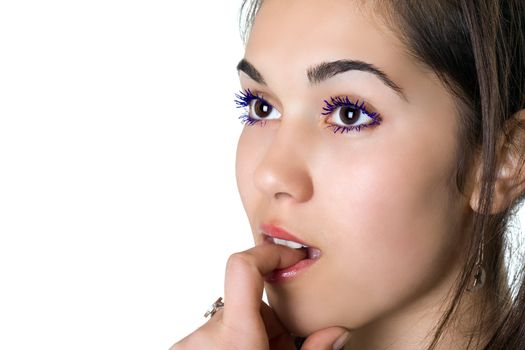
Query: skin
381, 204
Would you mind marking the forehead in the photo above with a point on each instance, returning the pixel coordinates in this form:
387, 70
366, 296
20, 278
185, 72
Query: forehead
293, 35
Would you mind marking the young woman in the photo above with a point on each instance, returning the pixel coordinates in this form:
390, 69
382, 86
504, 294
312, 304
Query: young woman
381, 161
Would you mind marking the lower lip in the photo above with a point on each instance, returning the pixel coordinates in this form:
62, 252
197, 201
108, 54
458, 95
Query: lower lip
289, 273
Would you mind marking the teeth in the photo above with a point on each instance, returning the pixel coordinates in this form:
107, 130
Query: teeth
289, 244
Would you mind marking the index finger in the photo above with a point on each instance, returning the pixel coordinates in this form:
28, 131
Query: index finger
244, 281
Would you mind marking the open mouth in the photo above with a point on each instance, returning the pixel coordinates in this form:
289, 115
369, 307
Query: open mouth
312, 253
291, 272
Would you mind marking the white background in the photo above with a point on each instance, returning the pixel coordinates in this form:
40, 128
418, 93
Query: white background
118, 201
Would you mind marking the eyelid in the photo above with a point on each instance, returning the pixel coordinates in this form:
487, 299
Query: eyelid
346, 100
269, 98
247, 96
266, 97
339, 102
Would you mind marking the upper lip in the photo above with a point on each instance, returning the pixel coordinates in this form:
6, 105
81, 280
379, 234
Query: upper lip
278, 232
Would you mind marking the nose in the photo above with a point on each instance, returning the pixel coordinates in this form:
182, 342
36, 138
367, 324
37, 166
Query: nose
283, 173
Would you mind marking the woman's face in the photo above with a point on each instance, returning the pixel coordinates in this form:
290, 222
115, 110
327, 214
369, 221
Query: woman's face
380, 203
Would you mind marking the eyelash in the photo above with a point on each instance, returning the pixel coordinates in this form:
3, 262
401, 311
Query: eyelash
243, 100
245, 97
336, 102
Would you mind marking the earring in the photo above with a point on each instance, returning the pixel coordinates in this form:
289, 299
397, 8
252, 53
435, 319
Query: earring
479, 275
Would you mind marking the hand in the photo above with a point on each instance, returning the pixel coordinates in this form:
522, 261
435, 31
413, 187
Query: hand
246, 322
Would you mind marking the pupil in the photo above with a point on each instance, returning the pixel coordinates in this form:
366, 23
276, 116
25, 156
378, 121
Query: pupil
262, 109
349, 115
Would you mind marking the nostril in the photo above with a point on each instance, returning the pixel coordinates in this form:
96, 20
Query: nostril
279, 194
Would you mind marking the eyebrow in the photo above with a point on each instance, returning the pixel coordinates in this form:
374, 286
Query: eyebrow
326, 70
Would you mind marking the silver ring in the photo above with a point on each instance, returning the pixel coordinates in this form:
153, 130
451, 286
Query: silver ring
218, 304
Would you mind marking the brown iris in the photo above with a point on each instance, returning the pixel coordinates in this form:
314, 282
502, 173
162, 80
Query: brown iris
262, 109
349, 115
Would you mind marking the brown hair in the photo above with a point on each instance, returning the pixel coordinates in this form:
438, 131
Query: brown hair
477, 49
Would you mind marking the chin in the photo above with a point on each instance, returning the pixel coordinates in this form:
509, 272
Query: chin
299, 319
301, 328
302, 314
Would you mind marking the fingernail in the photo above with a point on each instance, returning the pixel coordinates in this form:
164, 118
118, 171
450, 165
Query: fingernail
341, 341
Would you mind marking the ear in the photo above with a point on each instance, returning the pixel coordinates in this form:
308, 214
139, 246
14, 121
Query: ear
510, 170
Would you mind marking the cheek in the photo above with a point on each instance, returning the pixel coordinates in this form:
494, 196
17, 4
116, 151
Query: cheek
250, 151
393, 221
243, 168
384, 212
391, 214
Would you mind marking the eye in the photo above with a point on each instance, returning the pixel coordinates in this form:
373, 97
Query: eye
257, 108
260, 109
345, 115
348, 115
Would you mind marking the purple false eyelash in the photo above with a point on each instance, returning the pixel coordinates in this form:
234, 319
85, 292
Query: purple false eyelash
336, 102
244, 97
246, 119
243, 100
346, 102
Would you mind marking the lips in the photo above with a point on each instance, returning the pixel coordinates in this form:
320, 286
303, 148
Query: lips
277, 235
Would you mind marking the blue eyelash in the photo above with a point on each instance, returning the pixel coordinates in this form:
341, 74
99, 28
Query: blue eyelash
243, 100
245, 97
346, 102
